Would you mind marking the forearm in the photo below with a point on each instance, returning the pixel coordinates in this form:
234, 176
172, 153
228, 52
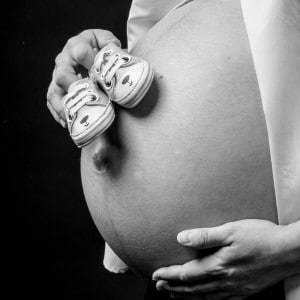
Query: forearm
289, 240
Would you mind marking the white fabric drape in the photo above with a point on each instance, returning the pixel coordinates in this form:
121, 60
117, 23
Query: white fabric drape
274, 33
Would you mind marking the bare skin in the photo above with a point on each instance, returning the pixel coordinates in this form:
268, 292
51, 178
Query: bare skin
194, 153
148, 156
248, 261
76, 57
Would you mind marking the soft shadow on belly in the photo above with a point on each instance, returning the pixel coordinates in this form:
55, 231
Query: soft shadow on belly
195, 152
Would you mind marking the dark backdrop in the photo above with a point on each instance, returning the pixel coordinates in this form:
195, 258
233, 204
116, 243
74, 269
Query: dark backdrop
56, 250
53, 250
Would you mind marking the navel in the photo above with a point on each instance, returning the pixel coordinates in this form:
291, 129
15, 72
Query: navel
105, 155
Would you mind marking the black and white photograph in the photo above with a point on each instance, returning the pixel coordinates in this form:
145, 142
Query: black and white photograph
152, 149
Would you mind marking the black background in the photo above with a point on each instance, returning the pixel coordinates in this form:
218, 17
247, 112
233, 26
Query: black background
55, 249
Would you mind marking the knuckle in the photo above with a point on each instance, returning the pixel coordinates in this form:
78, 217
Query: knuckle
230, 227
205, 237
73, 41
60, 77
218, 270
227, 273
229, 230
230, 273
106, 33
48, 105
201, 237
50, 95
80, 51
58, 58
86, 32
61, 114
59, 74
183, 275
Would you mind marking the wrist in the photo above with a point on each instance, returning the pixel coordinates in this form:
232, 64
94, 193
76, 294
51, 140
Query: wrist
288, 245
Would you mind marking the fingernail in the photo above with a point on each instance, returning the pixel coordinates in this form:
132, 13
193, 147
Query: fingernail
159, 286
62, 123
184, 237
156, 275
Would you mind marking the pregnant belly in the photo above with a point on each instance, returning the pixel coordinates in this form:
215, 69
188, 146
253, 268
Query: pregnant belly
195, 152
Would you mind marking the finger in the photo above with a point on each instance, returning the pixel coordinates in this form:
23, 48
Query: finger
197, 269
100, 38
65, 72
85, 46
79, 51
55, 115
88, 43
197, 288
53, 112
54, 101
204, 238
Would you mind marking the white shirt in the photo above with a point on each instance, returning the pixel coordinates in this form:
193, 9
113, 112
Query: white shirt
273, 28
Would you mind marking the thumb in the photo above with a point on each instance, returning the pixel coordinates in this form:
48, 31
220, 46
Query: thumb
99, 38
204, 238
103, 38
93, 41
